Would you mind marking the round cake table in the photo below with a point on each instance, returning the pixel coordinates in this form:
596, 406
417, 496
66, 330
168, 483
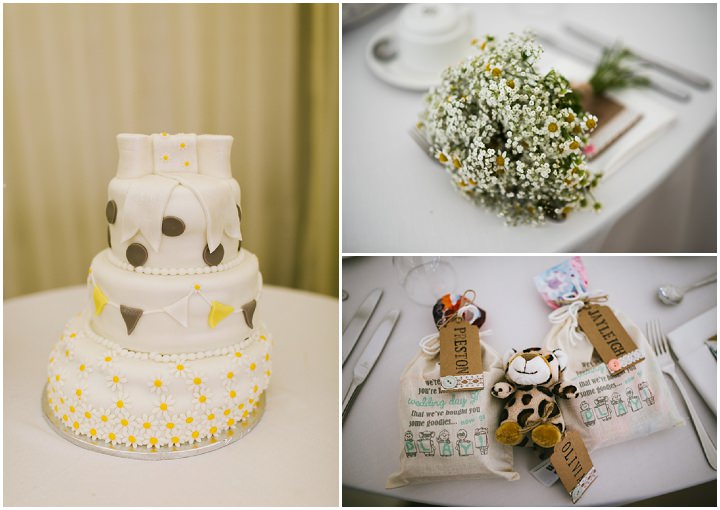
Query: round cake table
290, 458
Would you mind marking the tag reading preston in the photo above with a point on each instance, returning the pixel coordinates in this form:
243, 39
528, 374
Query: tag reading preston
609, 338
461, 366
572, 463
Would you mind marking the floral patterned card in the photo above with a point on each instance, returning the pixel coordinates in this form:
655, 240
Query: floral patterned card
562, 282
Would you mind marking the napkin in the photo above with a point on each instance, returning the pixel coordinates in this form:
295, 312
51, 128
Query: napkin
694, 356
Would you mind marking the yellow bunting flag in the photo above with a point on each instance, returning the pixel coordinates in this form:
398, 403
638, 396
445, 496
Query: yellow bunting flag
218, 312
99, 299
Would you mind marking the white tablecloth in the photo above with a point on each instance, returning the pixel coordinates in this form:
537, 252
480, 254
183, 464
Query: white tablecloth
290, 458
664, 462
395, 199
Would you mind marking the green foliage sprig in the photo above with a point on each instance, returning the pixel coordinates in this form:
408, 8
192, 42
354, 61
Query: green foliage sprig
612, 73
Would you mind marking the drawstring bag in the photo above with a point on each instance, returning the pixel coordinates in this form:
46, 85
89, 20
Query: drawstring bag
449, 435
609, 409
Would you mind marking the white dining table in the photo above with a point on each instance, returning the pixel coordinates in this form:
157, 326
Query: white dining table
290, 458
663, 462
663, 199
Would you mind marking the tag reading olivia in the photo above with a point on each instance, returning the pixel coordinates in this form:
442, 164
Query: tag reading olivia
461, 367
573, 465
609, 338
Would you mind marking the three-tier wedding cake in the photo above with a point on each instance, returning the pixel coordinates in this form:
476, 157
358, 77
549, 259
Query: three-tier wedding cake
168, 351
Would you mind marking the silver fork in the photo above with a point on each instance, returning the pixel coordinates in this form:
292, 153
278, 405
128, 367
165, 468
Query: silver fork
662, 350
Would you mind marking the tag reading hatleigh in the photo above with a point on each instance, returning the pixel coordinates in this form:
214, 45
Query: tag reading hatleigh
461, 366
609, 338
572, 464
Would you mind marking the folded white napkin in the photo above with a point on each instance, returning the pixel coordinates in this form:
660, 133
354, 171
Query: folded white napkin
694, 356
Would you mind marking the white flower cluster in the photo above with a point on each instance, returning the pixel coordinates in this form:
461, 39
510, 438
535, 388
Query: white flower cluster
510, 137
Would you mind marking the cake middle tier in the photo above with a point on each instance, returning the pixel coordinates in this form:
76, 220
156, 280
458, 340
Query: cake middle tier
169, 314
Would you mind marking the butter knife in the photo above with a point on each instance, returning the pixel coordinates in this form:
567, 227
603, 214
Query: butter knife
357, 324
661, 87
689, 77
368, 358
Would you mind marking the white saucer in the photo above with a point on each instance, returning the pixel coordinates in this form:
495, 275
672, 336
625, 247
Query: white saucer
398, 73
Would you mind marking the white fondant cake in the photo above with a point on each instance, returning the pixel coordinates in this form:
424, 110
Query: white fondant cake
167, 351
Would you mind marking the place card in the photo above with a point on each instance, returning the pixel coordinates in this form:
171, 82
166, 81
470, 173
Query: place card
612, 343
461, 367
573, 465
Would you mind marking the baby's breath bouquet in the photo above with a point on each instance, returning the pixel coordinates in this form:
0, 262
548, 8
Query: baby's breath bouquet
510, 137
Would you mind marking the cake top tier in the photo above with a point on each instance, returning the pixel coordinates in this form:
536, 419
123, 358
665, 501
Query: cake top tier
182, 153
173, 203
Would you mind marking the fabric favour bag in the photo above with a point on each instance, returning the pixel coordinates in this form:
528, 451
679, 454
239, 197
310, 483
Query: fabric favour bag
449, 435
610, 409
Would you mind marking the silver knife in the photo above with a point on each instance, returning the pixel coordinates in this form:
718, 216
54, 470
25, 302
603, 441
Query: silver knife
357, 324
689, 77
661, 87
368, 358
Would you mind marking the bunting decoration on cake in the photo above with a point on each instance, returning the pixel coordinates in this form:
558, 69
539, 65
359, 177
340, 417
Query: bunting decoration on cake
178, 310
99, 299
131, 316
218, 312
248, 312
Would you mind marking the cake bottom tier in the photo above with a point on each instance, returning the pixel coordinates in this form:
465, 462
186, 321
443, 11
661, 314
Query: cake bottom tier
97, 389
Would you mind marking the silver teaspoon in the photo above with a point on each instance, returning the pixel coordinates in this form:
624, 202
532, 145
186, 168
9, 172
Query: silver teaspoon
672, 295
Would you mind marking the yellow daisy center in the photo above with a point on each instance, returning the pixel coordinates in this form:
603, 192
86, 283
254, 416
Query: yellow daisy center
252, 366
111, 436
213, 430
163, 406
574, 145
147, 425
82, 368
170, 425
189, 419
124, 422
195, 434
116, 379
120, 404
552, 127
153, 441
88, 415
157, 383
233, 394
76, 425
197, 381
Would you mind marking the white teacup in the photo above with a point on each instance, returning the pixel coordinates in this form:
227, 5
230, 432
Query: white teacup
431, 37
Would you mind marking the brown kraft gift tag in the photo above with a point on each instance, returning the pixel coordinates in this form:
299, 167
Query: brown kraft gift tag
461, 366
609, 338
573, 465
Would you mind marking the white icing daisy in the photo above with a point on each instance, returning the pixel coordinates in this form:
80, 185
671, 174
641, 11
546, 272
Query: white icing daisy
180, 369
105, 416
157, 384
105, 362
186, 419
132, 436
196, 380
79, 391
192, 434
121, 401
202, 399
83, 369
115, 381
111, 435
163, 405
146, 424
